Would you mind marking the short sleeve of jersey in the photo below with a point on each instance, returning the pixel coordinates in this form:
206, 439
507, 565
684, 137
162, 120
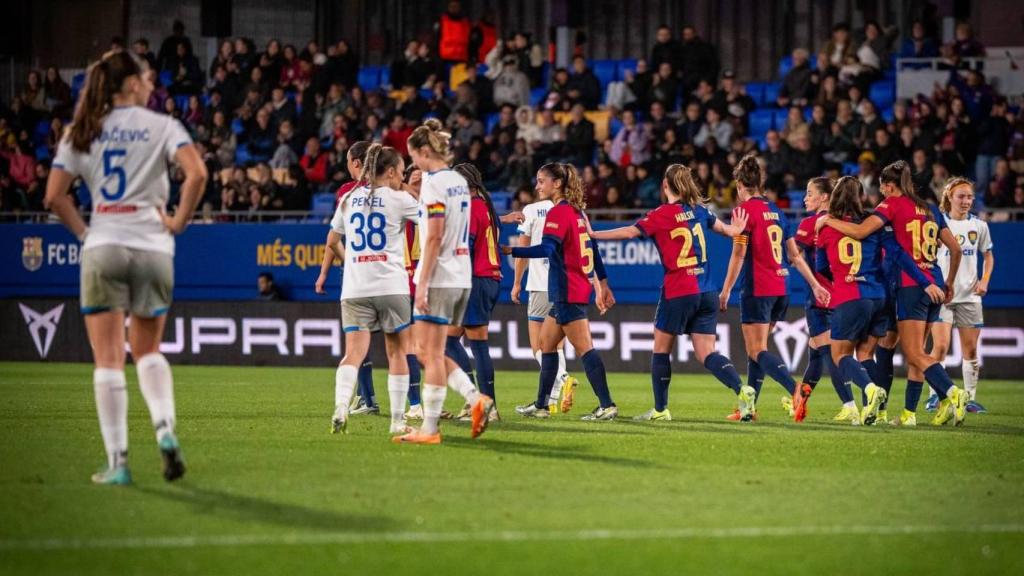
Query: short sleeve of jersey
477, 218
984, 237
652, 223
709, 218
529, 220
557, 225
805, 232
66, 158
787, 230
338, 220
939, 218
884, 211
410, 207
434, 200
175, 138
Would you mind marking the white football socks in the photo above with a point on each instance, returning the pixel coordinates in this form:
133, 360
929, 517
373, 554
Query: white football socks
460, 382
157, 385
433, 401
398, 390
344, 384
971, 369
112, 408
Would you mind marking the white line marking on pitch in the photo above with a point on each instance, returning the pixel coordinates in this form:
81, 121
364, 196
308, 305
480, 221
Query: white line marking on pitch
301, 538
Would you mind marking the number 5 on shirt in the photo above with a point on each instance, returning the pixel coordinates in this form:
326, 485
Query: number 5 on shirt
587, 252
110, 170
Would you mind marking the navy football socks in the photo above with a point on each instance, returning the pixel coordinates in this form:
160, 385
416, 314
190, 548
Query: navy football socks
776, 368
661, 375
366, 383
453, 349
594, 368
484, 366
723, 369
414, 379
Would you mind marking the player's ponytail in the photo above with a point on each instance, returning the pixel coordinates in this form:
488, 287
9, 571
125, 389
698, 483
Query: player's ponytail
898, 173
680, 180
379, 159
432, 135
845, 201
946, 203
103, 79
476, 184
574, 188
748, 173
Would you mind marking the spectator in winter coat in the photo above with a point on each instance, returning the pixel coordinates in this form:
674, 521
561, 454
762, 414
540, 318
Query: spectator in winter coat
633, 142
799, 84
583, 86
714, 127
512, 86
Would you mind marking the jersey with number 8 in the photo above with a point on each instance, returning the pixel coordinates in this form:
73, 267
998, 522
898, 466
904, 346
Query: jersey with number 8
916, 233
680, 233
126, 173
445, 194
374, 241
764, 267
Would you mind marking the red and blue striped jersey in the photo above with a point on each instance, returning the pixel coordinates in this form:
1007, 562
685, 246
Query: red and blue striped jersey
679, 232
855, 265
917, 231
569, 269
805, 238
764, 266
483, 240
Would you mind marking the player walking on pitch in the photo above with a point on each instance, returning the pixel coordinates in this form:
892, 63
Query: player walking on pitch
122, 150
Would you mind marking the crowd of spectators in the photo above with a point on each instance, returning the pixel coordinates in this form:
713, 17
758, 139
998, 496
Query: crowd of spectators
274, 125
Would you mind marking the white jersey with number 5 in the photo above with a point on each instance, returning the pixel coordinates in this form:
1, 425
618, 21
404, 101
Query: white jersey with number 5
374, 231
974, 239
127, 176
533, 226
445, 194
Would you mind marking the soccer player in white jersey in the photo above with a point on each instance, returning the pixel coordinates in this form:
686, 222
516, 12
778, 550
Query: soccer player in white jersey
538, 305
375, 287
443, 281
121, 150
964, 310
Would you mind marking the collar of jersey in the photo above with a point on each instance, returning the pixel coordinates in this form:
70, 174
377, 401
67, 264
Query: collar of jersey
437, 171
125, 107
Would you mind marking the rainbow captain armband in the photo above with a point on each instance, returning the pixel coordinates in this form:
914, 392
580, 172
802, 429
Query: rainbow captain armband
435, 210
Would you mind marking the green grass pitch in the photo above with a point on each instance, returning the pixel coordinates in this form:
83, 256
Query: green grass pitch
270, 491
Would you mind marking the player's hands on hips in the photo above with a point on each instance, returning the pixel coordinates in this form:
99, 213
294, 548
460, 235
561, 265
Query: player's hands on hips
171, 223
515, 294
319, 287
512, 218
822, 295
981, 288
421, 298
723, 301
936, 294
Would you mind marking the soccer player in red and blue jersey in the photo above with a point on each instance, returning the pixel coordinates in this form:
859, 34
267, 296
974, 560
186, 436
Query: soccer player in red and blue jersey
689, 297
858, 291
761, 251
575, 268
917, 227
818, 316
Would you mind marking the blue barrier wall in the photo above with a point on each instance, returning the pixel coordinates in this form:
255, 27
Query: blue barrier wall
221, 262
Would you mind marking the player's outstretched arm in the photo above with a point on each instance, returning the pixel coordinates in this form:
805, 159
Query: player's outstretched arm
57, 200
623, 233
866, 228
736, 227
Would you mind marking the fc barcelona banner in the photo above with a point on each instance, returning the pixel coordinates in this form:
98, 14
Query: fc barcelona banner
221, 262
309, 334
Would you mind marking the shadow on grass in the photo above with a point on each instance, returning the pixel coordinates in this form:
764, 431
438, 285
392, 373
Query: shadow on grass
209, 501
563, 426
561, 453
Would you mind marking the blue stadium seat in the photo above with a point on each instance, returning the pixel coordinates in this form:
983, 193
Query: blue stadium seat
808, 113
385, 76
369, 78
426, 93
323, 204
626, 64
785, 65
850, 168
165, 78
42, 152
888, 115
490, 122
605, 70
41, 132
614, 125
771, 92
502, 200
236, 126
182, 103
537, 96
779, 117
796, 199
545, 74
242, 156
883, 94
756, 92
760, 123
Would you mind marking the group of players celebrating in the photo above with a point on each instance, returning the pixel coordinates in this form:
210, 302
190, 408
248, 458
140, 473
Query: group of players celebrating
877, 278
421, 255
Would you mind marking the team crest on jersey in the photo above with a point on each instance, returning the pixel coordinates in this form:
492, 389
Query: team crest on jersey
32, 253
972, 237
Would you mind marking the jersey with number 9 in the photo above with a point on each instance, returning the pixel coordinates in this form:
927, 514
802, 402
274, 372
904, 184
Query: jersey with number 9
764, 266
445, 194
374, 228
569, 269
855, 265
125, 171
680, 232
917, 232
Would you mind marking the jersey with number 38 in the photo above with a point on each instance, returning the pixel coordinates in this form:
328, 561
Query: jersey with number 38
374, 231
917, 232
445, 194
764, 266
126, 173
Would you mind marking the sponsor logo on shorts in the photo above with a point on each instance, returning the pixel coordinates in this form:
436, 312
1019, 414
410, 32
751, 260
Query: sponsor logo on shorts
32, 253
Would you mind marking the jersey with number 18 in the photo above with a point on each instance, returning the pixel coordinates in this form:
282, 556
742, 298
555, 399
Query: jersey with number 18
126, 173
373, 227
445, 194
